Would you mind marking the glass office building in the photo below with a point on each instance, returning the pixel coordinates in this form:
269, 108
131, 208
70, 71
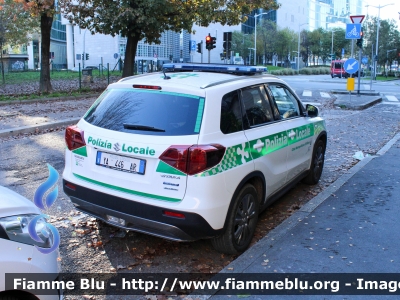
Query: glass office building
333, 13
58, 44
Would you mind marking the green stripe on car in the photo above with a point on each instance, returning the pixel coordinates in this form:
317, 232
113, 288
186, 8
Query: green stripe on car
124, 190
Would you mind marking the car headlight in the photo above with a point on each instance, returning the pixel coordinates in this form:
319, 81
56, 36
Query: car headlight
15, 228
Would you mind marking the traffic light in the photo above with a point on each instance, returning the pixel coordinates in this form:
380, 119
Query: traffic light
227, 42
199, 47
213, 42
208, 42
360, 40
227, 46
87, 56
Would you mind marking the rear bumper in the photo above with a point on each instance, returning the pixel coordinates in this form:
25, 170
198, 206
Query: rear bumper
138, 216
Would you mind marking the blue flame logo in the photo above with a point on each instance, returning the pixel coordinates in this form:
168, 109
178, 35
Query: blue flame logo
44, 204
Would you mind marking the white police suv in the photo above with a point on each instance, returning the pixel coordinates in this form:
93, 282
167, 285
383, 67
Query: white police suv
194, 152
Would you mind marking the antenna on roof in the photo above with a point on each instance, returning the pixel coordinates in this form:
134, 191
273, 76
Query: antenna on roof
165, 75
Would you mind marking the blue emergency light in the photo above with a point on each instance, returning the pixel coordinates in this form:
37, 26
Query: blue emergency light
236, 69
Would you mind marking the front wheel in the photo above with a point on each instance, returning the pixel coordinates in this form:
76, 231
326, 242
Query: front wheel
317, 163
241, 223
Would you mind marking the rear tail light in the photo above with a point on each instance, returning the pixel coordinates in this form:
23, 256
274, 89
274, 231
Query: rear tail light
173, 214
193, 159
70, 186
74, 137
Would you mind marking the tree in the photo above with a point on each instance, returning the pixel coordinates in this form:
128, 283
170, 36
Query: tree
316, 38
266, 34
284, 44
15, 26
44, 10
241, 43
389, 39
144, 19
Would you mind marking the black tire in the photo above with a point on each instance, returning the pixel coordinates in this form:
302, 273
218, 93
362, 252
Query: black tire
241, 223
317, 163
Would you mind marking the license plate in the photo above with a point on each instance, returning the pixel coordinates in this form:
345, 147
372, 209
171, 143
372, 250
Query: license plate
121, 163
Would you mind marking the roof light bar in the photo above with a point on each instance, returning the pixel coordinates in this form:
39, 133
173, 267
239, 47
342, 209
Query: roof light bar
179, 67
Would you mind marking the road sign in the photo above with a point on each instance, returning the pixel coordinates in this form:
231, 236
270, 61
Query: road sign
115, 55
192, 45
353, 31
351, 66
357, 19
364, 60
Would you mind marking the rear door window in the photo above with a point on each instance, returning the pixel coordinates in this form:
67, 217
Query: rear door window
257, 107
231, 113
147, 112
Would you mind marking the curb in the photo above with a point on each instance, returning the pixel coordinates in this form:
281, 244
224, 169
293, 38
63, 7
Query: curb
357, 104
31, 129
255, 252
66, 98
362, 92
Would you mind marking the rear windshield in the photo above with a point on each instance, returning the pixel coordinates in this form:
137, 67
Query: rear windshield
147, 112
338, 66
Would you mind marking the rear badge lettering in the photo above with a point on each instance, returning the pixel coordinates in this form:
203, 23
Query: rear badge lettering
171, 189
170, 183
171, 177
137, 150
99, 143
125, 148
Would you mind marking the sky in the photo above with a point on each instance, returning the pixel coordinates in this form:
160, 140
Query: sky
387, 12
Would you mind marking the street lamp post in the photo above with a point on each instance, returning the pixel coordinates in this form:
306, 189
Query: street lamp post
84, 50
332, 45
377, 34
298, 50
255, 33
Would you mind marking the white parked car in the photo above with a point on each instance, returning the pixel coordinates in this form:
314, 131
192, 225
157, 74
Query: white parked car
197, 152
18, 253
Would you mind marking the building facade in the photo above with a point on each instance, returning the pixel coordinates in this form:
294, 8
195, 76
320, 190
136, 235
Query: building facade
58, 47
74, 47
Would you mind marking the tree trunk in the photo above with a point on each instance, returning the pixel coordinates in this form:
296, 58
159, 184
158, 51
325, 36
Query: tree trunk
45, 27
130, 52
2, 64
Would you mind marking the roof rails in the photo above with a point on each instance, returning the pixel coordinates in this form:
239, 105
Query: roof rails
218, 68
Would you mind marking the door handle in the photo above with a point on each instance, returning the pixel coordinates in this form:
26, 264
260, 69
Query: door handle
258, 145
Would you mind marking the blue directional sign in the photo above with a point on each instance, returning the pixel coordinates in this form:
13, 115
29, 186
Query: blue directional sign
364, 60
353, 31
351, 66
192, 45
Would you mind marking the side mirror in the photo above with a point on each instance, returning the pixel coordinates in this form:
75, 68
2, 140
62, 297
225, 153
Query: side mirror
312, 111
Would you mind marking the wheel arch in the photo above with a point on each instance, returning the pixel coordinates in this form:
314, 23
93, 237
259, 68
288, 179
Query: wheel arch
256, 179
322, 136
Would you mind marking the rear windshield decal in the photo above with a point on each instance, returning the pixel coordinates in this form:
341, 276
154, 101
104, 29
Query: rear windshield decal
199, 115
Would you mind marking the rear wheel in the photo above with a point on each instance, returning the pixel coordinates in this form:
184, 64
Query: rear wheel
241, 223
317, 163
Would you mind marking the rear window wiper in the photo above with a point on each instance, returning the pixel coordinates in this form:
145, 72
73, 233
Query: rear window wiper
142, 127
